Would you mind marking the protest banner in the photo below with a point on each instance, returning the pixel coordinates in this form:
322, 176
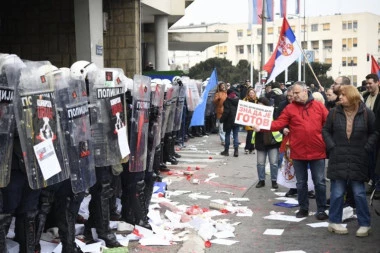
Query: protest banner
250, 114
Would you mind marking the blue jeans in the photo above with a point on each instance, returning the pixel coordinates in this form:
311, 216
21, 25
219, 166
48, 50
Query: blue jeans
317, 168
338, 188
235, 131
273, 160
221, 133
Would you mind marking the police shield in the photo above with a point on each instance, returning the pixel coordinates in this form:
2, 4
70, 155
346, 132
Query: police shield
9, 72
108, 116
192, 95
139, 123
179, 108
155, 121
172, 108
38, 127
72, 107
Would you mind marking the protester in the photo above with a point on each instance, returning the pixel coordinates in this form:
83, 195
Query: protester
228, 120
219, 98
331, 98
249, 147
350, 135
305, 118
267, 144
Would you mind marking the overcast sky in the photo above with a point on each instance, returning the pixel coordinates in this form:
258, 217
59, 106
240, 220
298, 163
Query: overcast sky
236, 11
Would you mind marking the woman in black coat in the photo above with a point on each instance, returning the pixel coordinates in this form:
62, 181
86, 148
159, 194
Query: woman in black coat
228, 119
349, 134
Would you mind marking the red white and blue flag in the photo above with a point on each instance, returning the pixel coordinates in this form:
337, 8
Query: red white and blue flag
283, 8
375, 68
255, 8
287, 51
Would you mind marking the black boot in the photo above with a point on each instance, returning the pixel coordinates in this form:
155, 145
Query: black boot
46, 200
225, 152
103, 227
236, 152
148, 190
139, 205
5, 221
127, 213
66, 225
25, 231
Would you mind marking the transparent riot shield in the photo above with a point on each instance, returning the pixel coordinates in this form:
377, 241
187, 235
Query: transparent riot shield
210, 107
72, 107
108, 116
155, 123
166, 109
139, 123
192, 95
173, 107
37, 123
10, 66
179, 108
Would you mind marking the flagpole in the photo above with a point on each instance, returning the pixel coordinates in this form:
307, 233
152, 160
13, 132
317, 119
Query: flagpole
263, 27
251, 67
308, 63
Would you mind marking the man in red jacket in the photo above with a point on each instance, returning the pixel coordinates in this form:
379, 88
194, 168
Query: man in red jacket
305, 118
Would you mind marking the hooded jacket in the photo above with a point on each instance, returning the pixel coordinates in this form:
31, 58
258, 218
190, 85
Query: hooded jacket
305, 122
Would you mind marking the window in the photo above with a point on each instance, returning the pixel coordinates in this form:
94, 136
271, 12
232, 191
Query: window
279, 30
224, 51
315, 44
304, 44
270, 30
344, 25
240, 33
349, 43
259, 31
378, 45
355, 24
349, 25
293, 28
355, 42
326, 26
314, 27
270, 48
355, 80
378, 28
249, 33
240, 49
352, 61
327, 44
328, 60
344, 61
344, 44
249, 49
303, 28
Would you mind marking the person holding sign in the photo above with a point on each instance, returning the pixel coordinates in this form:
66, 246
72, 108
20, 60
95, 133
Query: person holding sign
249, 147
305, 118
267, 144
228, 120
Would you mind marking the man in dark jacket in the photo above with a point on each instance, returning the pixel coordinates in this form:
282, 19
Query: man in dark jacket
305, 118
228, 120
372, 101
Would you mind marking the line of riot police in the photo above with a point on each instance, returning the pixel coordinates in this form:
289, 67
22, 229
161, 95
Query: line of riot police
67, 132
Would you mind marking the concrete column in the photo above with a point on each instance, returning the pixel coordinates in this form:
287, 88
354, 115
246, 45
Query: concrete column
161, 42
89, 31
150, 54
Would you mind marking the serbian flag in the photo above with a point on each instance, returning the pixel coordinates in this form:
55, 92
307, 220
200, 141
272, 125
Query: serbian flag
198, 118
286, 52
375, 69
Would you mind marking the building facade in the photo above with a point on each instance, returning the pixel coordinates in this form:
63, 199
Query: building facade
343, 40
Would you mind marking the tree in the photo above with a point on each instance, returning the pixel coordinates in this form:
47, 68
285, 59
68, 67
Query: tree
226, 71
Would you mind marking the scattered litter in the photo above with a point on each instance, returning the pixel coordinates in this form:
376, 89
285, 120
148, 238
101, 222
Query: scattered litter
284, 218
211, 176
198, 196
224, 234
281, 194
154, 240
226, 192
271, 231
291, 251
195, 181
274, 213
284, 204
223, 241
239, 199
319, 224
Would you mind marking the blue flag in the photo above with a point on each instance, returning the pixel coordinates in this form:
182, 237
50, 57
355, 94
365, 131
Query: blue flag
198, 118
